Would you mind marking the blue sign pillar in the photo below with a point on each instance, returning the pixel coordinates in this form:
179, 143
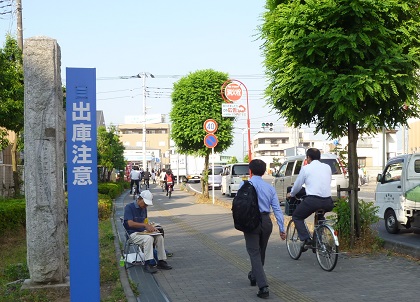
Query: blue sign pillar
82, 184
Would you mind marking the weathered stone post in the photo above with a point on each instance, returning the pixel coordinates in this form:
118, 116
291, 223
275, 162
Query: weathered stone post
44, 161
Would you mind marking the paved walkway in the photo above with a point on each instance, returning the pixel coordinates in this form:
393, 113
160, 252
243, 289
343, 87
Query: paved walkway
210, 263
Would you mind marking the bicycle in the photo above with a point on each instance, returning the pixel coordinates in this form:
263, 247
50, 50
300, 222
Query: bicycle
169, 188
134, 191
324, 238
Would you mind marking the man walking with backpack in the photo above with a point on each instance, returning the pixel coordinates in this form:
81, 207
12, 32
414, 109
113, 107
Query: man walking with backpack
256, 241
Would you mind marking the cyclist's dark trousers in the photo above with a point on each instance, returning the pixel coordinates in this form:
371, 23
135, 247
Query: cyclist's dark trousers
146, 182
135, 181
309, 205
256, 245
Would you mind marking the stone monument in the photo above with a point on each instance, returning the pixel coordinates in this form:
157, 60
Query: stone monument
44, 162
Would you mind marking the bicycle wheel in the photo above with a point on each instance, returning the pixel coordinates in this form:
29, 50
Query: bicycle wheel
292, 241
170, 191
326, 249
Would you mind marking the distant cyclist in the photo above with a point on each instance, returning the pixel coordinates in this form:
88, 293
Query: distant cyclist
317, 179
135, 179
169, 181
146, 178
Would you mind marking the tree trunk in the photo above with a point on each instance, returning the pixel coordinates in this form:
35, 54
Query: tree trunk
353, 181
16, 178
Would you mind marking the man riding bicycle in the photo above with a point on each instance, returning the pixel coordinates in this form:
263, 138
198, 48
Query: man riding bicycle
317, 179
135, 179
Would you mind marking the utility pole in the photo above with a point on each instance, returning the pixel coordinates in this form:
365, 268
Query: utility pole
19, 23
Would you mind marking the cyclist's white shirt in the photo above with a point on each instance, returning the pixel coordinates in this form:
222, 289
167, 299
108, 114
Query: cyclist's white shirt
135, 174
317, 179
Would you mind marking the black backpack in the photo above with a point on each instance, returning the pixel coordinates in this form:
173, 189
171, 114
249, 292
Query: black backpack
245, 210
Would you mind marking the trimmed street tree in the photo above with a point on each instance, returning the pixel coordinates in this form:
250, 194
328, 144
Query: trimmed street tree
350, 67
196, 98
11, 101
110, 152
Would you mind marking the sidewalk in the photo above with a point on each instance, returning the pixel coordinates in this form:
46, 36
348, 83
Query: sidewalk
210, 263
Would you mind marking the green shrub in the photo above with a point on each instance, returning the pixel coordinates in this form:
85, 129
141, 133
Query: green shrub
12, 214
342, 223
110, 188
104, 206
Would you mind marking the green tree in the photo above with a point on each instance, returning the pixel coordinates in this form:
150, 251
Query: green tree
350, 67
196, 98
110, 152
11, 101
246, 159
233, 160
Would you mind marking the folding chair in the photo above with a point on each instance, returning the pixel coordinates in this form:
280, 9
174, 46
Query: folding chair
132, 252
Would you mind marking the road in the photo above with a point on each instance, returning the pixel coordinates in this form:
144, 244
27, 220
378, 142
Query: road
407, 241
367, 192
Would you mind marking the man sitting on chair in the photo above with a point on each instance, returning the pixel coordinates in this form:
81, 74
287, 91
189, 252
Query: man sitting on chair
135, 214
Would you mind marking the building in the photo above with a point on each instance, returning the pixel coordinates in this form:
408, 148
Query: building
270, 146
157, 140
413, 136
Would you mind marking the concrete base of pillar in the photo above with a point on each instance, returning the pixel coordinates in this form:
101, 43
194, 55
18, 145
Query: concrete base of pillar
29, 284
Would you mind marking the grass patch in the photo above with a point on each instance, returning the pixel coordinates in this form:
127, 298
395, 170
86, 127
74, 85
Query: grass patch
13, 270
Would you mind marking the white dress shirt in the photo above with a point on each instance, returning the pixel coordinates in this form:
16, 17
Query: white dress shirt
317, 179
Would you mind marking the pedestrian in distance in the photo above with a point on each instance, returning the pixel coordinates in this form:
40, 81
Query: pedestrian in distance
136, 223
257, 240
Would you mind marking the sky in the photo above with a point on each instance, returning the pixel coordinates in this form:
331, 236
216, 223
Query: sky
168, 39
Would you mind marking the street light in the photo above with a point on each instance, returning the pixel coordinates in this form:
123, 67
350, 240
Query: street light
143, 75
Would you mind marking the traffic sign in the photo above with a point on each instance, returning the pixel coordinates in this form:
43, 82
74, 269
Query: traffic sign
210, 126
210, 140
233, 92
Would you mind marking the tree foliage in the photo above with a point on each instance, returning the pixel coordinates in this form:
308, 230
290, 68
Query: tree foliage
11, 88
347, 66
335, 62
196, 98
234, 160
110, 151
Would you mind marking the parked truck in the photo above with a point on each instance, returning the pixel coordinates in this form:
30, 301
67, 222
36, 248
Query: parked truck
398, 193
187, 167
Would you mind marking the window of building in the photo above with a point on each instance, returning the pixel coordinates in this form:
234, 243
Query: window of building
361, 161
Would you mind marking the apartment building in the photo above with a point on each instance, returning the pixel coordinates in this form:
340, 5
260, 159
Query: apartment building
268, 145
157, 140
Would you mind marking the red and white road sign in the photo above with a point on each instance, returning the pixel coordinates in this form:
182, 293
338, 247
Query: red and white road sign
233, 92
210, 126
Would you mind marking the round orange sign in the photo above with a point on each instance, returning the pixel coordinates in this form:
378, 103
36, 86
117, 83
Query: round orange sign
233, 92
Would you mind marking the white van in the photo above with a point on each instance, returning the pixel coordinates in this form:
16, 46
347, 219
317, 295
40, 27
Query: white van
398, 193
215, 181
290, 169
232, 176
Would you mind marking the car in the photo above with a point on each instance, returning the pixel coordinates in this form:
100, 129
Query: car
233, 175
290, 169
215, 181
